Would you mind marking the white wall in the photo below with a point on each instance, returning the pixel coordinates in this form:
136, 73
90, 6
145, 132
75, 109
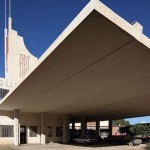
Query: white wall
6, 84
18, 59
6, 118
32, 119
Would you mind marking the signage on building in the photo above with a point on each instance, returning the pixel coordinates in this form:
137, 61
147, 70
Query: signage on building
6, 84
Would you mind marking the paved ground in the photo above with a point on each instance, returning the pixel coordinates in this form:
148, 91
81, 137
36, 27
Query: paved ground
55, 146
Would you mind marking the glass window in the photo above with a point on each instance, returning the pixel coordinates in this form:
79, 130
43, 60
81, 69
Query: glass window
33, 131
49, 131
6, 131
59, 131
3, 92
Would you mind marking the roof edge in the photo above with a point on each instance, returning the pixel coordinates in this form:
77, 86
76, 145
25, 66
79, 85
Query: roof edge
103, 10
122, 23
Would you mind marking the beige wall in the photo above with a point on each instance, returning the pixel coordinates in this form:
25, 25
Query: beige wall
31, 119
7, 140
6, 118
54, 121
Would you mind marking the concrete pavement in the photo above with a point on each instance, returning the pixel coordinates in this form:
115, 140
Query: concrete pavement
55, 146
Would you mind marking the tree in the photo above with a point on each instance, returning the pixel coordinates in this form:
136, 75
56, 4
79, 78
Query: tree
121, 122
140, 129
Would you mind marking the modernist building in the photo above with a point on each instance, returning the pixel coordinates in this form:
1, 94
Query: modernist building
97, 69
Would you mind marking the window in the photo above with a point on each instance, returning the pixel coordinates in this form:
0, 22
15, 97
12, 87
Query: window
3, 92
49, 131
33, 131
6, 131
59, 131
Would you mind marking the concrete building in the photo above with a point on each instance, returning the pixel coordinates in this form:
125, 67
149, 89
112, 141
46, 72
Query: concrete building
97, 69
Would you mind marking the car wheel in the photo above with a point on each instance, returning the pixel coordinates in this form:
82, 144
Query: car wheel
130, 144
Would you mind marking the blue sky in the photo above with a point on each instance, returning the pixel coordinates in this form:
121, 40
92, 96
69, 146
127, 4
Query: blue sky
41, 21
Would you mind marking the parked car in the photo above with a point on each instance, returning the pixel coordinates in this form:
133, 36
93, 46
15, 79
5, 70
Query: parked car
124, 140
144, 138
85, 139
135, 141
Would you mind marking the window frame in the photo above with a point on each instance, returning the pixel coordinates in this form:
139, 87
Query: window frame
6, 131
49, 131
34, 131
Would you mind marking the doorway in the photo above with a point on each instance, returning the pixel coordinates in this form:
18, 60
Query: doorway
23, 135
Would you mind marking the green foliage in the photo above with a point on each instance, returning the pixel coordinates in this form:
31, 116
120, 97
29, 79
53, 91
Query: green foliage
147, 146
121, 122
140, 129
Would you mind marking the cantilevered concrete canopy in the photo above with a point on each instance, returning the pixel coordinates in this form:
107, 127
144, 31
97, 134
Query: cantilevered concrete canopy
99, 66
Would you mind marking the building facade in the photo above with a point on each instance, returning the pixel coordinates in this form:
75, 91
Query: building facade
84, 80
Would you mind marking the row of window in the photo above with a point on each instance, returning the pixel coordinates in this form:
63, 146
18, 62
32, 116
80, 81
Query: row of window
59, 131
33, 131
8, 131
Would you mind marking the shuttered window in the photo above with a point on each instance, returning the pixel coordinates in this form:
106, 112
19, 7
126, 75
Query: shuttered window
6, 131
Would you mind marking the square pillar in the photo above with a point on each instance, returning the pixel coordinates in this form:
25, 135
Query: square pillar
43, 128
16, 127
83, 126
66, 131
97, 128
110, 127
73, 125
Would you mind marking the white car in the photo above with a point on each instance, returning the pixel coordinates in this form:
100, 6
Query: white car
85, 139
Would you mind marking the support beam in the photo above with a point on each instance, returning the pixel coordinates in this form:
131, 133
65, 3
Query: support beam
97, 128
73, 125
16, 127
66, 132
110, 127
83, 125
43, 128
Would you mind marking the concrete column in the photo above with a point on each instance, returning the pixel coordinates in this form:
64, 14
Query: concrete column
73, 125
83, 126
110, 127
66, 131
97, 128
43, 128
16, 127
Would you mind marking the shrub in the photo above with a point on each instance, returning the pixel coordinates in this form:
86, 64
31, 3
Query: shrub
147, 146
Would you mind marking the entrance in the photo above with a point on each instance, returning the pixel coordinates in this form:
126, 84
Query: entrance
22, 134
